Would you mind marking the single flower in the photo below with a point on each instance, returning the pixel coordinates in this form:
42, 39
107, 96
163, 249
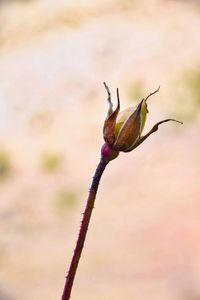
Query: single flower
122, 131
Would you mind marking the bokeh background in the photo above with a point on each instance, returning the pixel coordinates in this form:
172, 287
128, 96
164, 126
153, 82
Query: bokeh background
144, 237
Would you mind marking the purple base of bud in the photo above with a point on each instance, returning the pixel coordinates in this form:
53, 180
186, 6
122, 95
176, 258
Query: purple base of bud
108, 153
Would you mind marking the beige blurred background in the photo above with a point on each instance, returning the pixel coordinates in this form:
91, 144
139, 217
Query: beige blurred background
144, 237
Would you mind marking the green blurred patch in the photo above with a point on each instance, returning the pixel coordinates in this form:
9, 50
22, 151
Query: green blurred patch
50, 161
187, 104
65, 199
136, 91
5, 165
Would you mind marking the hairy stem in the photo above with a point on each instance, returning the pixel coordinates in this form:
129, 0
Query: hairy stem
83, 229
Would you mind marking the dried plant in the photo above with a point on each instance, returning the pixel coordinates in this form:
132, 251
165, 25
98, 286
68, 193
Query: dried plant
122, 132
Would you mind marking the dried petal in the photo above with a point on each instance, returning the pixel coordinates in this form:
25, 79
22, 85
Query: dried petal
122, 118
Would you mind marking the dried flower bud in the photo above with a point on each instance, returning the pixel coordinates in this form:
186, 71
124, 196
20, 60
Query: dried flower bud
123, 131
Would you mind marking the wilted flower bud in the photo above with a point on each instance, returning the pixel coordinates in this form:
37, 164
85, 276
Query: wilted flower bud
123, 131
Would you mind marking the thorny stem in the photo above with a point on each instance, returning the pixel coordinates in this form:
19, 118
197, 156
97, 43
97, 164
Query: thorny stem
83, 229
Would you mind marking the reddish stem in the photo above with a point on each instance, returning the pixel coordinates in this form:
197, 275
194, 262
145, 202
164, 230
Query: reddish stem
83, 229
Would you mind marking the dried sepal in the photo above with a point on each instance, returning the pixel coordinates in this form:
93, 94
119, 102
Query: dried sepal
154, 129
130, 131
151, 94
110, 109
144, 109
110, 122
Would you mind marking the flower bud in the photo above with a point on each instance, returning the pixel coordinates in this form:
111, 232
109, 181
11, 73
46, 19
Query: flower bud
123, 131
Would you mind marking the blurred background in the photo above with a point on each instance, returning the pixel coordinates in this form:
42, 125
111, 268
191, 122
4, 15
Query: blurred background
144, 237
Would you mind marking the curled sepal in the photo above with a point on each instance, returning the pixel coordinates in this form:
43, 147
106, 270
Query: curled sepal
110, 122
154, 129
110, 109
151, 94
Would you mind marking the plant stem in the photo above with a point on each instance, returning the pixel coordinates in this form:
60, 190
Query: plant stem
83, 229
